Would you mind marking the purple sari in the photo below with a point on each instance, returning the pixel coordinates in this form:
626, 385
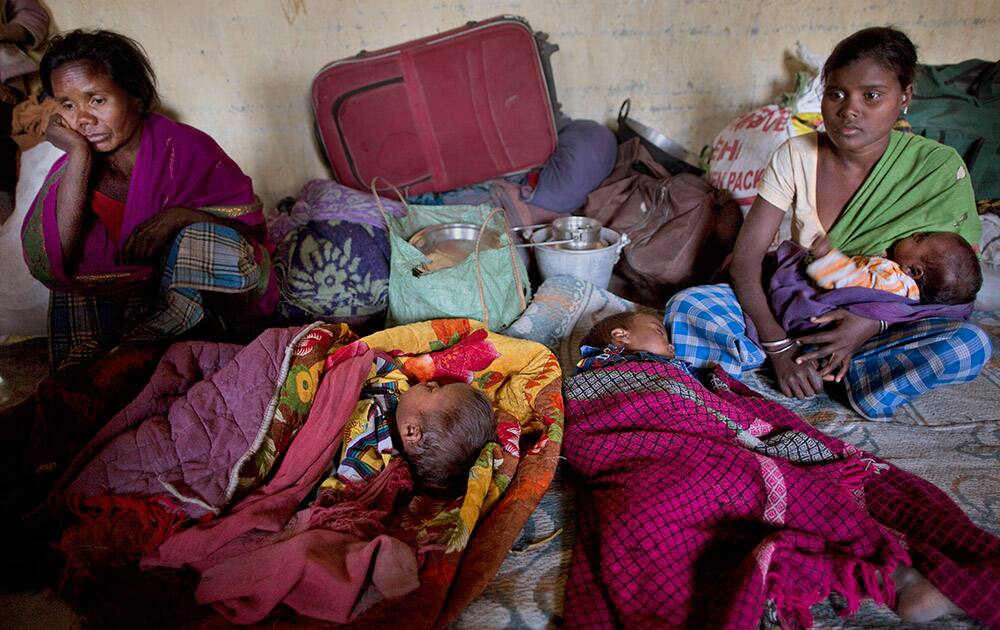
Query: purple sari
101, 303
177, 165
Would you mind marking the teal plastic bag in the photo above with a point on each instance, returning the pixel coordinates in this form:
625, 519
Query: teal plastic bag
491, 287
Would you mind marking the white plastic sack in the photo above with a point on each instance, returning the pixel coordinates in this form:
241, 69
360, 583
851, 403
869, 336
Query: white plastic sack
989, 296
741, 151
808, 95
24, 301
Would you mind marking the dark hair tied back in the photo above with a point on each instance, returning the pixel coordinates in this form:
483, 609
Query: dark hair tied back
121, 57
888, 46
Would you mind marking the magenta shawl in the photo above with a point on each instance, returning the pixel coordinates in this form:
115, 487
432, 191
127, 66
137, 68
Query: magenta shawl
703, 502
177, 165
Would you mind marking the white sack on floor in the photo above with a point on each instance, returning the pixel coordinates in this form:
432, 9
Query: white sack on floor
24, 301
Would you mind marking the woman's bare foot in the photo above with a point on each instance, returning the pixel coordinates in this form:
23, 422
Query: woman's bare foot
917, 600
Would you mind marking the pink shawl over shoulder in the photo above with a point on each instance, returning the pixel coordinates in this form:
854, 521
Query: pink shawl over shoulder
177, 165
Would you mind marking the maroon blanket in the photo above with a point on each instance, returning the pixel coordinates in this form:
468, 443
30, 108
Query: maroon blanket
317, 560
708, 504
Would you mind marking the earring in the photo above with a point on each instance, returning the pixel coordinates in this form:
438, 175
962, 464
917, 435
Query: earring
906, 109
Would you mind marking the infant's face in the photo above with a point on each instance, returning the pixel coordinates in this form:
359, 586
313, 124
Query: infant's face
647, 334
420, 401
913, 250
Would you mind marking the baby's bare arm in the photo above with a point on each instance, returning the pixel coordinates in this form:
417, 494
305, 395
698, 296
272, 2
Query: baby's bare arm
821, 246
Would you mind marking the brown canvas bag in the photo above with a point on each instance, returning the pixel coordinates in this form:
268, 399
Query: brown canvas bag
680, 228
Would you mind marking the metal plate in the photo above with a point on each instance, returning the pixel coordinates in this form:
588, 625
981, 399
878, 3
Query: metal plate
448, 244
659, 140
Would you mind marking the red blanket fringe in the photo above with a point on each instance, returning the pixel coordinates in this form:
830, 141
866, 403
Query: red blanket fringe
856, 580
114, 531
361, 508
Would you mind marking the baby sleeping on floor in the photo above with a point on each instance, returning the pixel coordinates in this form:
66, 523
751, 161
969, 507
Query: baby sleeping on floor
438, 429
633, 336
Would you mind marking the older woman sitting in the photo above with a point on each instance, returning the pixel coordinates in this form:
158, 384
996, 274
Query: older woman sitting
143, 230
145, 220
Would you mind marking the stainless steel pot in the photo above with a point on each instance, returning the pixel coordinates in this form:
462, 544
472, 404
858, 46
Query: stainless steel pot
577, 233
581, 232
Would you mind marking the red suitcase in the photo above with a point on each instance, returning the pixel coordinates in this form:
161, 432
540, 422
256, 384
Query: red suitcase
440, 112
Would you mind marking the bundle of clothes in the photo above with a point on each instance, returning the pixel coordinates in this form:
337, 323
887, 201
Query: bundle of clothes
290, 460
332, 252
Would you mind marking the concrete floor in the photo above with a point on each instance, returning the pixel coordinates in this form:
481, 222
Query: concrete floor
27, 611
23, 364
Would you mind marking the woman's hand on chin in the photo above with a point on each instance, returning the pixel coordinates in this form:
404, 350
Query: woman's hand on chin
151, 237
795, 379
63, 137
837, 344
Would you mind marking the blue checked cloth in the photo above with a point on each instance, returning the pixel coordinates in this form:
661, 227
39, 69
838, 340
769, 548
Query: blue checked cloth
910, 359
203, 257
707, 328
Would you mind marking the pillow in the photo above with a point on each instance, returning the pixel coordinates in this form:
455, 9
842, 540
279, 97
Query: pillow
563, 311
584, 156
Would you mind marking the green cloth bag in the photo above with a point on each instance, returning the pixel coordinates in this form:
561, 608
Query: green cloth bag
959, 105
491, 287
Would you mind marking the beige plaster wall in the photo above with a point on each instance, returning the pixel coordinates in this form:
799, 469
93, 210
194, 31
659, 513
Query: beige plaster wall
241, 69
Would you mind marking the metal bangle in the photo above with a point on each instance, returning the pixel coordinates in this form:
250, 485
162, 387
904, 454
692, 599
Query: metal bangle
785, 349
775, 344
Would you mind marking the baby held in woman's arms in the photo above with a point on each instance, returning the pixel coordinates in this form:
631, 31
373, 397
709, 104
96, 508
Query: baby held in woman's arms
932, 267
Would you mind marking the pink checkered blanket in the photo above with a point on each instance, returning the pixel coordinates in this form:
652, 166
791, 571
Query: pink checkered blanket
710, 506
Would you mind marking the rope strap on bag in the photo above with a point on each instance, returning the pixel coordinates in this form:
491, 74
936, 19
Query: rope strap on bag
482, 230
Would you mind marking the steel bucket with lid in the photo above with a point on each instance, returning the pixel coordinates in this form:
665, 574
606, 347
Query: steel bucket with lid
594, 264
581, 232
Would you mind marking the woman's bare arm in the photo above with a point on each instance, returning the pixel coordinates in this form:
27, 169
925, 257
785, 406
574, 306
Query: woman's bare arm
71, 197
151, 236
762, 222
755, 237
